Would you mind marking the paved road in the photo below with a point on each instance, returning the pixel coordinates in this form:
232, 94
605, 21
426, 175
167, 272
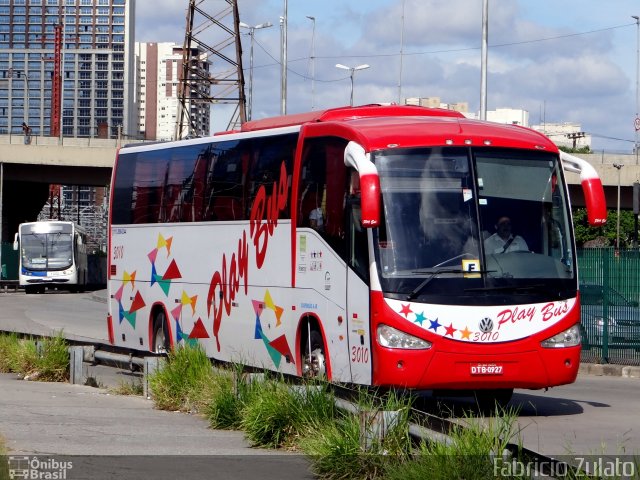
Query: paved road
113, 436
82, 316
593, 416
597, 414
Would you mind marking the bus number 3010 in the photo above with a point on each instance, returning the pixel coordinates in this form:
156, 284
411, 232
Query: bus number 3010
359, 354
485, 336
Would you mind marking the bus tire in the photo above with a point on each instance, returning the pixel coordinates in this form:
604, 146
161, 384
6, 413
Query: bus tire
314, 356
30, 289
160, 338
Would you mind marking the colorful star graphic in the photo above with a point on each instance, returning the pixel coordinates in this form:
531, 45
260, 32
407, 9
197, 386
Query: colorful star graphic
279, 347
406, 310
434, 325
420, 318
450, 330
466, 333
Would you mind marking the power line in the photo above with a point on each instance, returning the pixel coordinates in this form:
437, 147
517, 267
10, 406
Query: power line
427, 52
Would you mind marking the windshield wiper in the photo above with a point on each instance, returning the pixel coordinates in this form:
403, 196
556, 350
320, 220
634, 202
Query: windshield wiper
434, 273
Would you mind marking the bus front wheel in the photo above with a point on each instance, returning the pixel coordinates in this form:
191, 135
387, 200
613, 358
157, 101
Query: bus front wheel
313, 361
160, 338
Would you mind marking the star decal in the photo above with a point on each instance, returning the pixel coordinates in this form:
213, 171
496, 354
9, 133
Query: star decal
420, 318
450, 330
466, 333
406, 310
434, 325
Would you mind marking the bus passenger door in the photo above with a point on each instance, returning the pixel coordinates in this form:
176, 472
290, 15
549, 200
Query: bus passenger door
358, 310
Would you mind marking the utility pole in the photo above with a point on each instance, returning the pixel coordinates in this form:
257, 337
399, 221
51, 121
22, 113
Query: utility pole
618, 166
199, 88
575, 136
484, 59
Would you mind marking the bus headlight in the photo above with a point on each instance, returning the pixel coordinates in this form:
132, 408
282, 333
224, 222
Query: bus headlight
393, 338
568, 338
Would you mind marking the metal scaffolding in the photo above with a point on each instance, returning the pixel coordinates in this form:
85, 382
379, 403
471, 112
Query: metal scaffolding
84, 205
214, 36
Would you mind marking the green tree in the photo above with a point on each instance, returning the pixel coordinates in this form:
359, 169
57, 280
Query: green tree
584, 149
584, 232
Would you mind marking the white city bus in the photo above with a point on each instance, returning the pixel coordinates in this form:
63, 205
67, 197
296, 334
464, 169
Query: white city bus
52, 253
349, 243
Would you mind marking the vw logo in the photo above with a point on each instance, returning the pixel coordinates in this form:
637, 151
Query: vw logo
486, 325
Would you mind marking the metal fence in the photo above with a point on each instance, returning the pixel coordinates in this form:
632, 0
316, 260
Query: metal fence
610, 295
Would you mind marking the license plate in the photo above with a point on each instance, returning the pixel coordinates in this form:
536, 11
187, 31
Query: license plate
486, 369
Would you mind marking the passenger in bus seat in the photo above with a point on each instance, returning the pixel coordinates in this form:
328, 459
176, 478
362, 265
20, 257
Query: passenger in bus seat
504, 240
316, 219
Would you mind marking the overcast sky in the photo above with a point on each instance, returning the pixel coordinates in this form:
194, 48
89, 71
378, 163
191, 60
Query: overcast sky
561, 60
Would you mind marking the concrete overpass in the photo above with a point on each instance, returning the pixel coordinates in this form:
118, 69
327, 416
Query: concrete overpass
27, 170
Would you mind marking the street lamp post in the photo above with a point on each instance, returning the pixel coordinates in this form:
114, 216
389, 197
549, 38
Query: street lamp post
637, 19
11, 71
618, 166
313, 62
252, 32
283, 60
352, 71
484, 59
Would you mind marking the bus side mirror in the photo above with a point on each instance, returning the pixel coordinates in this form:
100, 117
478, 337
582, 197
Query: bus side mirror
591, 187
369, 183
15, 242
370, 200
595, 200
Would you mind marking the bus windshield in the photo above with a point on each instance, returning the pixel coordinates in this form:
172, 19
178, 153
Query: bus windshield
463, 221
46, 251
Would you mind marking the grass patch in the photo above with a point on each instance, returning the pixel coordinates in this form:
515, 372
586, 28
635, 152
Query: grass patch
49, 363
475, 452
52, 364
133, 388
4, 464
8, 347
276, 414
338, 449
185, 382
227, 398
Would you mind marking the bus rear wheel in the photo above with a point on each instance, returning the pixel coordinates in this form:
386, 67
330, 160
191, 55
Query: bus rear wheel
313, 358
160, 338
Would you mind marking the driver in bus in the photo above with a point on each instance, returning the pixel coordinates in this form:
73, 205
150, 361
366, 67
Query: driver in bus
504, 240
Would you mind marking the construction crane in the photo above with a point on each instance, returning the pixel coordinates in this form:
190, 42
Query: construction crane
210, 38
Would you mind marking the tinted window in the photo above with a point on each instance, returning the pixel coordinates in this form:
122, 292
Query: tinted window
215, 181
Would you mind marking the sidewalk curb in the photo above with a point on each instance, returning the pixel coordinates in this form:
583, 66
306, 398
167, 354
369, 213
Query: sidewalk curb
610, 370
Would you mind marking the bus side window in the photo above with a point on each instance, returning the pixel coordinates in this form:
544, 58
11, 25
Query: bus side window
225, 182
269, 153
147, 188
323, 189
312, 202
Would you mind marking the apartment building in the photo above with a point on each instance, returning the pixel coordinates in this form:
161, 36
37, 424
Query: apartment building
159, 73
93, 40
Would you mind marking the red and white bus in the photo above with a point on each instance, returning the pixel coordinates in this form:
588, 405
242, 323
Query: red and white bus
353, 243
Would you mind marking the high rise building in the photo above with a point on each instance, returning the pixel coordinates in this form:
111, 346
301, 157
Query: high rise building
159, 73
90, 44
